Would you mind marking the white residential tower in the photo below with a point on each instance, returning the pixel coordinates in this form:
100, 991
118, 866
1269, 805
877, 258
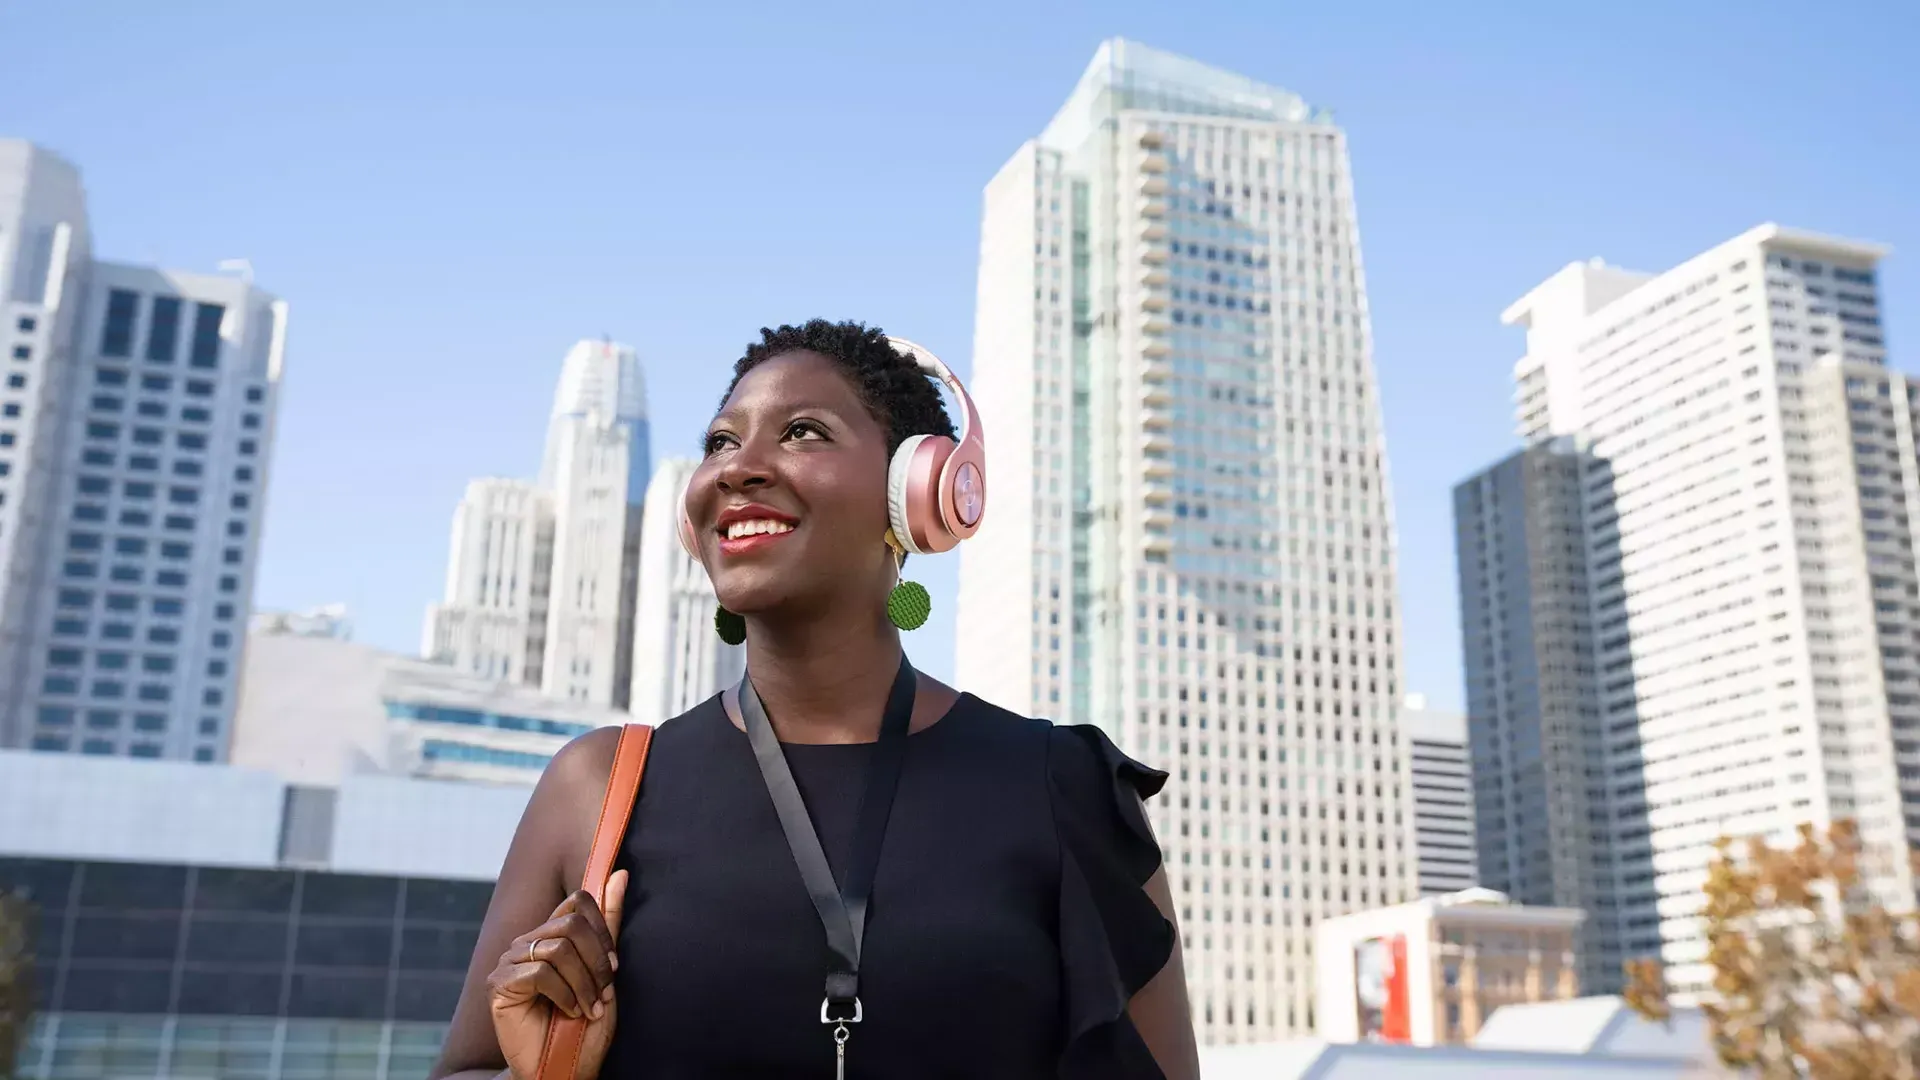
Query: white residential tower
136, 421
1750, 479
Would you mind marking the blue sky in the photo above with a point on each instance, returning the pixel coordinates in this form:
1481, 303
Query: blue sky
449, 194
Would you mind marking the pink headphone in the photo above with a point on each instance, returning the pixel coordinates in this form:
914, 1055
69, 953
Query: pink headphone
936, 487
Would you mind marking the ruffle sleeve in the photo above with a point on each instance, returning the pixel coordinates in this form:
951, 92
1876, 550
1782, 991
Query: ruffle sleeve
1113, 939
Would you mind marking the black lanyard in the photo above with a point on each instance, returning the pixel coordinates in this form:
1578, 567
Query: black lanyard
843, 911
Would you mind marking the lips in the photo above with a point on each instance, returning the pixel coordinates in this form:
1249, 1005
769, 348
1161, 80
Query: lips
751, 527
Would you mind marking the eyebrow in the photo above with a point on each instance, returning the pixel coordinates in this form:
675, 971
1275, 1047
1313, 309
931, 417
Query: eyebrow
804, 407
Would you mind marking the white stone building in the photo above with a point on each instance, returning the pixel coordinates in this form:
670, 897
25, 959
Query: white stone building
678, 659
136, 423
1190, 542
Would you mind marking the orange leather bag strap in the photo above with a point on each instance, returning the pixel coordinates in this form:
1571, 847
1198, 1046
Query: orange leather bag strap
565, 1035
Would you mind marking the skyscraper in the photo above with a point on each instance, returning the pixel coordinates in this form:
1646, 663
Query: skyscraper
596, 468
1748, 479
136, 420
678, 660
1542, 801
541, 578
1190, 543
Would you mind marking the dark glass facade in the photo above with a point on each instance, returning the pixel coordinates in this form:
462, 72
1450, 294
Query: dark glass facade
301, 951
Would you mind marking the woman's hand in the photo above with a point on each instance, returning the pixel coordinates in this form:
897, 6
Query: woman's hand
566, 964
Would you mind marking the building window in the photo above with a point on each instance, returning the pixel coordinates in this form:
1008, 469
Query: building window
144, 750
150, 692
56, 715
147, 721
55, 743
206, 335
116, 338
27, 324
103, 719
163, 335
109, 689
22, 352
203, 754
96, 747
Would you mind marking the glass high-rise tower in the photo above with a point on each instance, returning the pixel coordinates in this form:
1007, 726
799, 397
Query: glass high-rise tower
1190, 543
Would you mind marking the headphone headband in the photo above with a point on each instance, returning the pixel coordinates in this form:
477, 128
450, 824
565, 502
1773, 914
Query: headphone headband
924, 358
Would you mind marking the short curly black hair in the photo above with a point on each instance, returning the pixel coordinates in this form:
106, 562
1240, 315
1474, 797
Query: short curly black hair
895, 391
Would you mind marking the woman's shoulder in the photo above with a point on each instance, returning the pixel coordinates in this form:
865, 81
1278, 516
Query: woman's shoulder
1082, 759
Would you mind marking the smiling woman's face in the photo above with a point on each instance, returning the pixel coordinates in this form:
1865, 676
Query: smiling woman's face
790, 504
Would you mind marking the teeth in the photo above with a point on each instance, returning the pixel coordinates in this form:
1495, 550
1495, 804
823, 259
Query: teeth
756, 527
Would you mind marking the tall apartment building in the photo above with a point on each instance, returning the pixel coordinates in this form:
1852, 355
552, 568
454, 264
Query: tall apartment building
1190, 543
1747, 479
1442, 797
542, 577
678, 660
136, 420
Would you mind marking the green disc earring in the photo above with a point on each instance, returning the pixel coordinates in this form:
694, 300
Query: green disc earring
731, 628
908, 605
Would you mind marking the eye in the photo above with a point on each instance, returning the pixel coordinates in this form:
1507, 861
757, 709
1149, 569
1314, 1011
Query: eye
715, 442
806, 429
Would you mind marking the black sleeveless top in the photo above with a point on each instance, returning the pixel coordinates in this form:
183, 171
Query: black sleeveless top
1008, 926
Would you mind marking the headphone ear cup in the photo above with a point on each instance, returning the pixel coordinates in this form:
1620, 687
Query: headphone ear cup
900, 501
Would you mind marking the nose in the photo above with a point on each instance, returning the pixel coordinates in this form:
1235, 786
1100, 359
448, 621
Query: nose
743, 470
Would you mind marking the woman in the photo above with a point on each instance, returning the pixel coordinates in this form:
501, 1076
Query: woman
1020, 923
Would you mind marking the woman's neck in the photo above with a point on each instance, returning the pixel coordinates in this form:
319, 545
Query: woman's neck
825, 687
